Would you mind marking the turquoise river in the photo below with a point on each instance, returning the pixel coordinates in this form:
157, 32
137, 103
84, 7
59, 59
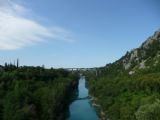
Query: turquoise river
81, 108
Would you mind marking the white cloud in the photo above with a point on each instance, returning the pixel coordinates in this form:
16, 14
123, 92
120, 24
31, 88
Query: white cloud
17, 31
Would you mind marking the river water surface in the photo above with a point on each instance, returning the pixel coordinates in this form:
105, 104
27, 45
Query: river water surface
81, 108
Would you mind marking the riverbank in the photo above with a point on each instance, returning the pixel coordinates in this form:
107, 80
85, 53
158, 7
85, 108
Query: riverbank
98, 107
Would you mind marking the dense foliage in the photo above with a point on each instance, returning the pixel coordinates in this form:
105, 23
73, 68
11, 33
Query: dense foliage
35, 93
131, 93
127, 97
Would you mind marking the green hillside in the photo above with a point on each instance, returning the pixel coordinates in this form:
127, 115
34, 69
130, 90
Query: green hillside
129, 89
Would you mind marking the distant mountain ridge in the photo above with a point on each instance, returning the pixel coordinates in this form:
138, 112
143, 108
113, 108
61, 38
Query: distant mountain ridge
146, 56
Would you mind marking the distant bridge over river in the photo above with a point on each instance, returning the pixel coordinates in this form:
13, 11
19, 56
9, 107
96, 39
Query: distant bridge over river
81, 69
96, 70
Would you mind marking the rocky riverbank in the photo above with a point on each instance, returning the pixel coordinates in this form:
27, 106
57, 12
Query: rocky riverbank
99, 110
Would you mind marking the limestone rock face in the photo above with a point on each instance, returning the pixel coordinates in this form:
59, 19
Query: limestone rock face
134, 54
144, 57
142, 64
151, 39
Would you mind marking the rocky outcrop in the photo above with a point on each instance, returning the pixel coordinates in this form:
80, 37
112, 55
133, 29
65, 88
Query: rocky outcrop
151, 39
137, 58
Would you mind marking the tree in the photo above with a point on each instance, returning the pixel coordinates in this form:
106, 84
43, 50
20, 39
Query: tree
149, 112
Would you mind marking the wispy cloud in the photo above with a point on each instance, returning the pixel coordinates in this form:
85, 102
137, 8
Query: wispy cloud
17, 31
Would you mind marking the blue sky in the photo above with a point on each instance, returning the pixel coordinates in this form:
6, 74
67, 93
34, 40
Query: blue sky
74, 33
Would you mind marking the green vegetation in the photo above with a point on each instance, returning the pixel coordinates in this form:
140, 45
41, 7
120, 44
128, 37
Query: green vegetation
132, 92
35, 93
125, 97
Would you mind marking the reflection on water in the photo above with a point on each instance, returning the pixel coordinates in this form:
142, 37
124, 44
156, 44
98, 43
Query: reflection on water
81, 109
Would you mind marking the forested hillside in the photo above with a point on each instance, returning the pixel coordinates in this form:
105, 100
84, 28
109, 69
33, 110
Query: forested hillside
35, 93
129, 89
